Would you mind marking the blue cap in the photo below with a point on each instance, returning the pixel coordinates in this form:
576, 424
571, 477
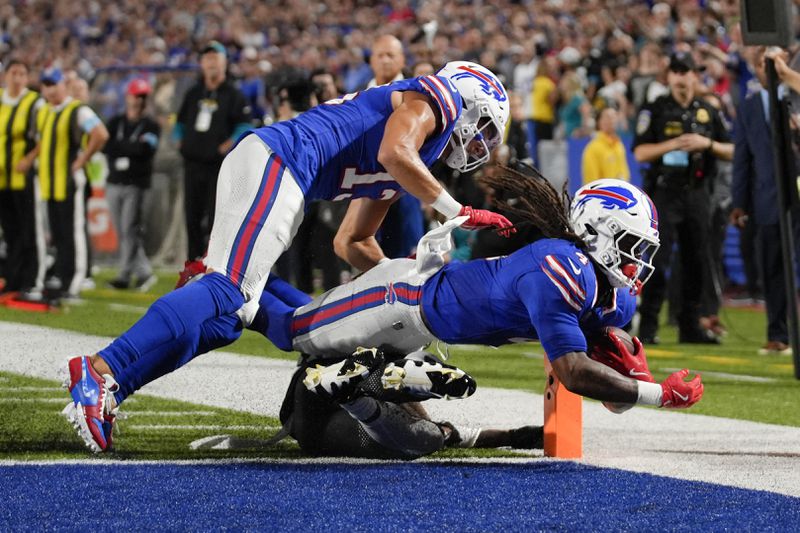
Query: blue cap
214, 46
51, 75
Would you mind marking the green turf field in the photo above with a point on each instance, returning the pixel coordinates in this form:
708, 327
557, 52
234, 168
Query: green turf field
739, 384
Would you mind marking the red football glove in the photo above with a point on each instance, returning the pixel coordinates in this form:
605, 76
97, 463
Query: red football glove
632, 365
677, 393
482, 218
191, 269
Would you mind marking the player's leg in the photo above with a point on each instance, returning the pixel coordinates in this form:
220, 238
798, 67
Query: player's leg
380, 308
248, 236
210, 335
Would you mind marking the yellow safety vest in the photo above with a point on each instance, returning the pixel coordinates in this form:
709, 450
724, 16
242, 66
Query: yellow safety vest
58, 149
14, 139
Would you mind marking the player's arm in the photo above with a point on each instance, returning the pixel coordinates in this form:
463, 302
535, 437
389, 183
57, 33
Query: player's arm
592, 379
355, 240
586, 377
409, 125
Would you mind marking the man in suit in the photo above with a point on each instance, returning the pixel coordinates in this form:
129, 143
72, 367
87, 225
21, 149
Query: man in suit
755, 201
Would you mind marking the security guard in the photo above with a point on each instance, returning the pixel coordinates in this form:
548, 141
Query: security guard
681, 136
24, 270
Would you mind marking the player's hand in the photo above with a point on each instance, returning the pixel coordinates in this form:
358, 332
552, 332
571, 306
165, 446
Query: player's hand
676, 393
482, 218
632, 365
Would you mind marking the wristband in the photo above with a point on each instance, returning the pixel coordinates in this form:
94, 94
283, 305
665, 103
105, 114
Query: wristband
446, 205
383, 260
649, 393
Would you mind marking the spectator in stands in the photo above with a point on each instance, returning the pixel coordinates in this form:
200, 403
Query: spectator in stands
422, 68
324, 84
24, 265
575, 112
516, 138
130, 152
62, 158
212, 116
544, 95
681, 136
605, 155
648, 82
252, 85
755, 200
386, 60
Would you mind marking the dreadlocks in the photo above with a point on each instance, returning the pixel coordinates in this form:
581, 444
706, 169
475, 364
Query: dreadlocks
533, 199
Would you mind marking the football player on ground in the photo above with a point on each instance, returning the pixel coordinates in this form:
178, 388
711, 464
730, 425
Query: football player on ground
369, 147
380, 417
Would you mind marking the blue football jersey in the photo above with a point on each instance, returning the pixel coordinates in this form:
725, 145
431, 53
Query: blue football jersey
546, 291
332, 149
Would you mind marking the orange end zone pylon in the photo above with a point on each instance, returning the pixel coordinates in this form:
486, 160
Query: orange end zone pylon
563, 418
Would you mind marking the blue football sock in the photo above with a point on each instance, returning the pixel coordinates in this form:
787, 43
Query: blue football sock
285, 292
274, 320
172, 316
213, 333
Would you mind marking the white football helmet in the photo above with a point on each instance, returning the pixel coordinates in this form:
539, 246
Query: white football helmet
619, 224
484, 115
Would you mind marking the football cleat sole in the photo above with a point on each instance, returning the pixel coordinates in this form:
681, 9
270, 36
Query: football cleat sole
427, 379
74, 415
337, 381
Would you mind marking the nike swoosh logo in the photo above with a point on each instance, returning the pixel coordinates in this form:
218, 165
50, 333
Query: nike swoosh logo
635, 373
681, 396
573, 267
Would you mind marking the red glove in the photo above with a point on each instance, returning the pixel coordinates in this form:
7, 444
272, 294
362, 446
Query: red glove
191, 269
481, 218
677, 393
632, 365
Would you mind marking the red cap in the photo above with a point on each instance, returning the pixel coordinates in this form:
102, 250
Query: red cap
139, 87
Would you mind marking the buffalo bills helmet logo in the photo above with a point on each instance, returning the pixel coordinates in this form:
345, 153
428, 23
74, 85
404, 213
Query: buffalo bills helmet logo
610, 197
489, 85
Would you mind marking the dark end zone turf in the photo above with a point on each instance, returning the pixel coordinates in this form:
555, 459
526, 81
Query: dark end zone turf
534, 496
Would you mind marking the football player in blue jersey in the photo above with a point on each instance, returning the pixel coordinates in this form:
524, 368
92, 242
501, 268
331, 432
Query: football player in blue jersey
581, 279
369, 147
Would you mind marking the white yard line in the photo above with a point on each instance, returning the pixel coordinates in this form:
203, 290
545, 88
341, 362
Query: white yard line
126, 308
670, 443
137, 414
724, 375
198, 427
63, 400
31, 389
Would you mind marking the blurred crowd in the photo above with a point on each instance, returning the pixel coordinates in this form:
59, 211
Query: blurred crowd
575, 69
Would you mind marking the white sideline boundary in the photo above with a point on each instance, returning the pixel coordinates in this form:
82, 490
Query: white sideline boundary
668, 443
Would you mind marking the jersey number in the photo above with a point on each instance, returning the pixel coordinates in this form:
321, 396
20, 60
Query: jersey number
352, 180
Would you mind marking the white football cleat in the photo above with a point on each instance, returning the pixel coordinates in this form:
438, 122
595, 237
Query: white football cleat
339, 381
423, 375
